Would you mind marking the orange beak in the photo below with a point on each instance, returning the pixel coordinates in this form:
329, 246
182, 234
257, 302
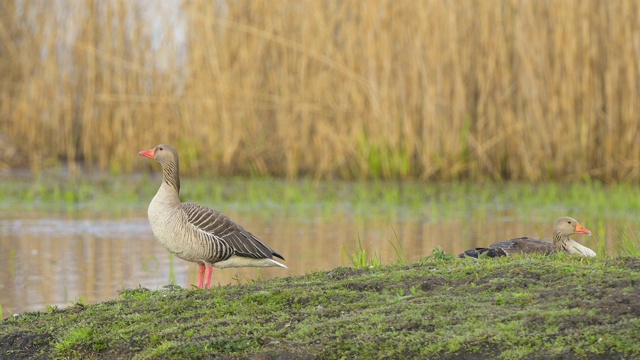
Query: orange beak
582, 230
151, 154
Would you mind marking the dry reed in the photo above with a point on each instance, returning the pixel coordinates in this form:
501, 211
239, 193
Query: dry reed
437, 90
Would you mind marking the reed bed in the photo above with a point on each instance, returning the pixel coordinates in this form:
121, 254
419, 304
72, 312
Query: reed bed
431, 90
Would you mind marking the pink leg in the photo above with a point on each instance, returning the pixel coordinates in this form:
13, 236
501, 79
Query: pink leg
201, 276
207, 274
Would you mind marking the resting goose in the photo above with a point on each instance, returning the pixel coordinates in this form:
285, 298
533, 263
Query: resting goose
197, 233
562, 230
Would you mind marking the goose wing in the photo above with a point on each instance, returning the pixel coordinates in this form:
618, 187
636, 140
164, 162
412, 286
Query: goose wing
524, 245
227, 231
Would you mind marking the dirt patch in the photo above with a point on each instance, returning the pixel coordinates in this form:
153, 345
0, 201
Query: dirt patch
344, 273
284, 355
22, 345
621, 304
632, 263
432, 283
375, 286
616, 298
502, 280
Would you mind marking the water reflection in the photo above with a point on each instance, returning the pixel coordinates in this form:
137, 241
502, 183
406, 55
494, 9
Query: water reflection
59, 259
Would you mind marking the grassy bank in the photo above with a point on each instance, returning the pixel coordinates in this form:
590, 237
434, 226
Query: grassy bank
554, 307
438, 90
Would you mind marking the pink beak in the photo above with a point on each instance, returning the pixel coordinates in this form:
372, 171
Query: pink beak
151, 153
582, 230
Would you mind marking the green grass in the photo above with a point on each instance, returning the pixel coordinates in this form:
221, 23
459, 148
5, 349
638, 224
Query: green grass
439, 307
360, 259
398, 248
628, 241
437, 200
73, 339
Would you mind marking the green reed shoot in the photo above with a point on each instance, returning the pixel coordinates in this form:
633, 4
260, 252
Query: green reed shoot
398, 249
360, 259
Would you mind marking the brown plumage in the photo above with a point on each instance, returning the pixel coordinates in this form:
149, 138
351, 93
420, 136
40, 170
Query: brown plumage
563, 228
198, 233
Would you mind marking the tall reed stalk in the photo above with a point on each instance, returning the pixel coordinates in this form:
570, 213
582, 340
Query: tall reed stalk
435, 89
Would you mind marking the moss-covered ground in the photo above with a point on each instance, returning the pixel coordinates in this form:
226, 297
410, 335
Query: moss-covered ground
440, 307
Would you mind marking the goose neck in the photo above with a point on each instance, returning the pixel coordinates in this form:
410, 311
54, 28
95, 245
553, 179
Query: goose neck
171, 175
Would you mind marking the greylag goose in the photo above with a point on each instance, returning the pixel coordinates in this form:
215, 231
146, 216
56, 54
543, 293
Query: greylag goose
562, 230
197, 233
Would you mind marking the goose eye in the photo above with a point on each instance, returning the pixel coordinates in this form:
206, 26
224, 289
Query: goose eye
160, 148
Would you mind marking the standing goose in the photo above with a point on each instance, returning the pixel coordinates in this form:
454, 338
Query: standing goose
197, 233
562, 229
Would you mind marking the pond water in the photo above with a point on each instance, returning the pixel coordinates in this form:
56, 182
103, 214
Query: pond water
61, 257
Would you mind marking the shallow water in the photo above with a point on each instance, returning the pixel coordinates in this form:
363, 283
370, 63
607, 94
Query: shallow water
49, 258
